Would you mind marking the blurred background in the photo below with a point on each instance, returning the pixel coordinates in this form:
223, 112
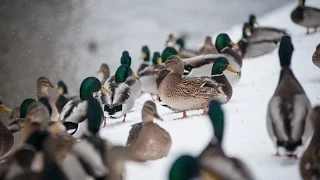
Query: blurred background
69, 39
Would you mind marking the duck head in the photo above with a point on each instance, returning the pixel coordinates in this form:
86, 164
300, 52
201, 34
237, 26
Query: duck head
43, 83
185, 167
24, 107
145, 54
253, 20
221, 64
123, 72
174, 64
149, 112
223, 41
125, 58
167, 52
62, 88
89, 86
156, 59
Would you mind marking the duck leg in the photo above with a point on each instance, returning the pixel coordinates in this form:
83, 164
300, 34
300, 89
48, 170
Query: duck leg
308, 31
184, 114
104, 121
276, 155
315, 29
204, 110
124, 118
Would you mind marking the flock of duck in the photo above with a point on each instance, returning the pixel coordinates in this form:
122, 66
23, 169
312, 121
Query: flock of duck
57, 136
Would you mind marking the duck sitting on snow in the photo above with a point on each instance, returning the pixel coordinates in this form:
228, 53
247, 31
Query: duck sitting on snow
73, 114
208, 164
186, 93
316, 56
288, 122
306, 16
252, 49
147, 140
121, 100
264, 33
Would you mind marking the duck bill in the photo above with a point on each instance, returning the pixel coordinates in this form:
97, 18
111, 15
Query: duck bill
143, 55
135, 75
156, 115
229, 68
105, 90
159, 61
234, 45
3, 108
60, 90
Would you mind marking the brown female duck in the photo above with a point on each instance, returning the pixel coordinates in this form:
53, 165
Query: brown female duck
316, 57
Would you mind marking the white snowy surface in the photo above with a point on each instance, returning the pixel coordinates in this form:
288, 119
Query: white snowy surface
246, 135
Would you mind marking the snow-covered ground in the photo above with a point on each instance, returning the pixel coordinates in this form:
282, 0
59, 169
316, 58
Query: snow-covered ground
246, 136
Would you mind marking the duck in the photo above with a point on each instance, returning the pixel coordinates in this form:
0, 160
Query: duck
179, 45
316, 56
186, 93
264, 33
208, 47
133, 82
141, 134
6, 137
121, 100
201, 65
148, 77
252, 49
204, 166
98, 163
63, 98
73, 114
46, 89
105, 70
145, 56
289, 128
310, 160
306, 16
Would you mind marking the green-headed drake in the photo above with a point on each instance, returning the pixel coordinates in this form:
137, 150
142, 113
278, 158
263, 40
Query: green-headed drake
64, 97
264, 33
310, 161
145, 56
208, 47
105, 70
141, 134
252, 49
186, 93
316, 56
306, 16
288, 115
74, 113
121, 100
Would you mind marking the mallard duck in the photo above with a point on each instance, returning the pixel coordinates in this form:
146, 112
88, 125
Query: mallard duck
316, 57
288, 122
63, 98
310, 161
149, 78
74, 113
208, 164
179, 45
44, 89
6, 137
306, 16
252, 49
104, 69
145, 56
186, 93
264, 33
208, 47
141, 134
121, 100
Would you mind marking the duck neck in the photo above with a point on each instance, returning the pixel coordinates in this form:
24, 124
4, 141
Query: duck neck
146, 118
42, 91
227, 88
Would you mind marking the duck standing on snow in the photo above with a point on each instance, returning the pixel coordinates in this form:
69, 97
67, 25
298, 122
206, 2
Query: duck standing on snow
186, 93
145, 56
104, 69
310, 161
74, 113
288, 122
306, 16
63, 98
147, 140
209, 163
264, 33
252, 49
121, 100
208, 47
316, 56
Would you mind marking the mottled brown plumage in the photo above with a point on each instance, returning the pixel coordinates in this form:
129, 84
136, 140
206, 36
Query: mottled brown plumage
6, 140
316, 57
310, 161
147, 140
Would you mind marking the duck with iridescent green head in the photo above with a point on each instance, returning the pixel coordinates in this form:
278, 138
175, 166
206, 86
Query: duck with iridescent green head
263, 33
121, 100
145, 56
73, 114
252, 49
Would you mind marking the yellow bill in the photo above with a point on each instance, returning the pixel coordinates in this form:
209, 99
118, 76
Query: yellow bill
3, 108
229, 68
143, 55
159, 60
103, 89
135, 75
60, 90
234, 45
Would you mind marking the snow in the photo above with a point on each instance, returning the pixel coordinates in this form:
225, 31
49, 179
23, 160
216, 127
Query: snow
246, 135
